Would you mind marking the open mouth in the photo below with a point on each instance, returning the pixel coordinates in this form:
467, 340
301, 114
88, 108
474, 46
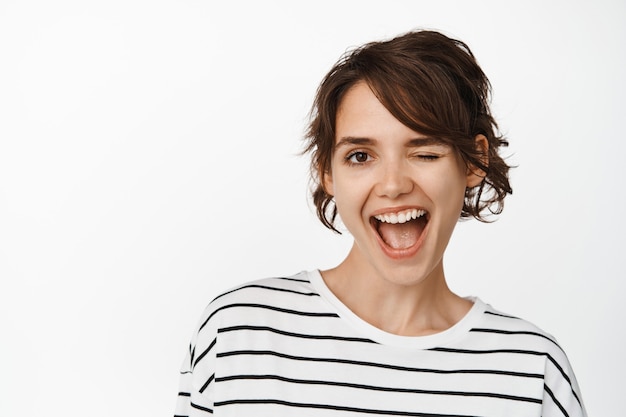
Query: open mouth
400, 230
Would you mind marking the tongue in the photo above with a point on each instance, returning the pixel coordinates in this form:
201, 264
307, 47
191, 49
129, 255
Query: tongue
400, 235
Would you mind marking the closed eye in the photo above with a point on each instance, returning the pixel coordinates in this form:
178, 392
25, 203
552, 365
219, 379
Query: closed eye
428, 157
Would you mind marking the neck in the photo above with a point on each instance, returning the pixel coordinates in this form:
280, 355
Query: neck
397, 302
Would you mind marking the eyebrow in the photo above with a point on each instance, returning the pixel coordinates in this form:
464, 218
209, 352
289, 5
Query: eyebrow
413, 143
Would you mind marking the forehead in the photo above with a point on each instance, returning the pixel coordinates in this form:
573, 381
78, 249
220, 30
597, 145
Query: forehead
361, 114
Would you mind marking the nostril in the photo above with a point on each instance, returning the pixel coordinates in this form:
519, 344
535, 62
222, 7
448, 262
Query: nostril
394, 185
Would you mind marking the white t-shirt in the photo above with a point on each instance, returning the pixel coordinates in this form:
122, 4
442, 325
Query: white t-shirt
289, 347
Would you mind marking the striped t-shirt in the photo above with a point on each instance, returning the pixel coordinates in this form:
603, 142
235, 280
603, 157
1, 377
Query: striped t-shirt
289, 347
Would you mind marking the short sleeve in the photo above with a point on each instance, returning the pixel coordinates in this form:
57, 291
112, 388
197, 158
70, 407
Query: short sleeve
197, 373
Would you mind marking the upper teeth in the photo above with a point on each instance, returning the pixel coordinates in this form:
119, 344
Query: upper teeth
400, 217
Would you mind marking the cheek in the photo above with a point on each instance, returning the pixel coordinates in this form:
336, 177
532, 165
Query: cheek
448, 191
350, 198
346, 194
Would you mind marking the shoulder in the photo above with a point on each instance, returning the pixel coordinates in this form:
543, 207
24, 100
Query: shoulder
252, 298
500, 330
506, 326
298, 284
520, 339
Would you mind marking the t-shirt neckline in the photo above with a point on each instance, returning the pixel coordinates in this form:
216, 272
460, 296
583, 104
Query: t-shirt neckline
458, 330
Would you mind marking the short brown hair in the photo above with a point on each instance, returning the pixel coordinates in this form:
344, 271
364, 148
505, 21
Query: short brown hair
433, 85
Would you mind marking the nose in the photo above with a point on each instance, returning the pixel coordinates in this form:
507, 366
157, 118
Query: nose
394, 181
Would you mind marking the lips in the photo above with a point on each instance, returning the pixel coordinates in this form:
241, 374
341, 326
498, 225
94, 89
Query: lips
400, 231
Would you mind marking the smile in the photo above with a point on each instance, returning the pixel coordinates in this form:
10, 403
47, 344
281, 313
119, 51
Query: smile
400, 217
400, 233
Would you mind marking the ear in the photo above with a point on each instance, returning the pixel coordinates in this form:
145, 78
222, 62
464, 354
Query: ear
326, 178
475, 175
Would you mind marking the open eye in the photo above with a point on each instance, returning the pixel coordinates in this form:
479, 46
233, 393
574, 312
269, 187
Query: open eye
358, 157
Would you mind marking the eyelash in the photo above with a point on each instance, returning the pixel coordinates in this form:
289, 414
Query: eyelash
351, 155
428, 157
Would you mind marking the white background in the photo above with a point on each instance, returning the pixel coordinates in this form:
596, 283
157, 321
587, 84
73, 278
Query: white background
149, 159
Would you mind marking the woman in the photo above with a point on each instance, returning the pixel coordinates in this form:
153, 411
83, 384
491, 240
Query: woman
403, 144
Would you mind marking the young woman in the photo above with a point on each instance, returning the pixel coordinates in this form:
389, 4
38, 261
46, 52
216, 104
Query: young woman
403, 144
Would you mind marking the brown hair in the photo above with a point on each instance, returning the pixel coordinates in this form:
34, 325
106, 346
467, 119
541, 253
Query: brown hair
433, 85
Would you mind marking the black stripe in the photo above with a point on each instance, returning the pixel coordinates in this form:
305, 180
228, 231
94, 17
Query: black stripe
206, 384
300, 335
184, 394
501, 315
558, 404
249, 285
488, 351
268, 307
516, 351
199, 407
337, 408
203, 354
179, 415
512, 332
555, 363
306, 281
378, 365
265, 287
378, 388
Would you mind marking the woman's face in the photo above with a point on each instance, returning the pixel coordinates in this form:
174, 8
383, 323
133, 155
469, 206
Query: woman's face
398, 192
